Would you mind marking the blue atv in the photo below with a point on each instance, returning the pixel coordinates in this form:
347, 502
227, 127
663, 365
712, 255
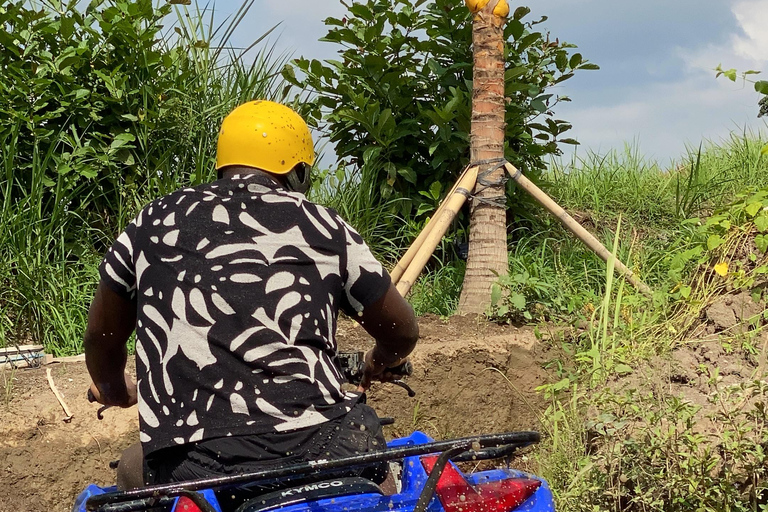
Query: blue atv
425, 474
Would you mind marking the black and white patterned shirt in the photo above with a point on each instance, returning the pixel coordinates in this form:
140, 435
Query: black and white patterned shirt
238, 284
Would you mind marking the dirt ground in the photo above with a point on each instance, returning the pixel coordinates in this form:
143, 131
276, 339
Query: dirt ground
470, 377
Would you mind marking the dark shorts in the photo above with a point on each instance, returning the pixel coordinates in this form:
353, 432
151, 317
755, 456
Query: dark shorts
359, 431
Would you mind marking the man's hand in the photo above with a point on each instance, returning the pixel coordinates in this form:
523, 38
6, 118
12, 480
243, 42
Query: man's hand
118, 396
377, 369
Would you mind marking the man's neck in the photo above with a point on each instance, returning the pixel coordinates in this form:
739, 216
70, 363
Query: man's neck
237, 170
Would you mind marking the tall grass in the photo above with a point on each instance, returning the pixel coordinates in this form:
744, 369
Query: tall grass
655, 196
357, 198
213, 78
43, 246
54, 225
654, 202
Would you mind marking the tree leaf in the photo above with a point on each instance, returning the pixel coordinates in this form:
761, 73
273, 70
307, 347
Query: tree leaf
753, 208
714, 241
408, 174
495, 294
722, 268
761, 222
576, 59
761, 86
521, 12
435, 189
370, 154
423, 208
761, 241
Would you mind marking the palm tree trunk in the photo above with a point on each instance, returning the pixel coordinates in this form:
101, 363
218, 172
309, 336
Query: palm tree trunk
488, 227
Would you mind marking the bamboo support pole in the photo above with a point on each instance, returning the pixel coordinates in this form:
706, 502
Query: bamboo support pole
574, 227
442, 222
405, 261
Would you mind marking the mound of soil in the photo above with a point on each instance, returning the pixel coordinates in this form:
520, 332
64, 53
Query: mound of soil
470, 378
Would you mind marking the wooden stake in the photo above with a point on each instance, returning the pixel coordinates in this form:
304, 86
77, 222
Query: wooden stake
59, 397
402, 265
442, 222
574, 227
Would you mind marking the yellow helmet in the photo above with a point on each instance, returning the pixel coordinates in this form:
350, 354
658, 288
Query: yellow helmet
265, 135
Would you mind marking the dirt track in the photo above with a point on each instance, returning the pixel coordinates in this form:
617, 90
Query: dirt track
470, 378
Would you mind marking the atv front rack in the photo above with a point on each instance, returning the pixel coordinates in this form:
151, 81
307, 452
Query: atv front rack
487, 447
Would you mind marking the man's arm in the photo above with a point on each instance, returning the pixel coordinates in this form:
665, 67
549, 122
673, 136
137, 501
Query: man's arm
111, 320
393, 325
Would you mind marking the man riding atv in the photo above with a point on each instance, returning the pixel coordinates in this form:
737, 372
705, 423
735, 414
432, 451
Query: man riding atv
233, 289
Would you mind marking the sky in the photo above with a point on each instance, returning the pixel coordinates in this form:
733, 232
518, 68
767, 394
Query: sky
656, 88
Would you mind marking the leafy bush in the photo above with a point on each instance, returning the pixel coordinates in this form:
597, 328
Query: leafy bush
400, 93
113, 101
80, 87
104, 110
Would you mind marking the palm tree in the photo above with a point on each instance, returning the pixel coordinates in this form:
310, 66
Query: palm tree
488, 229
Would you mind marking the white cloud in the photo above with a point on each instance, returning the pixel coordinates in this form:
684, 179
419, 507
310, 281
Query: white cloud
752, 16
683, 109
745, 50
664, 118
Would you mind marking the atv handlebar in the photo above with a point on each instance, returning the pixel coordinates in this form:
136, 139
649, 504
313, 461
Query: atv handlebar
474, 448
352, 365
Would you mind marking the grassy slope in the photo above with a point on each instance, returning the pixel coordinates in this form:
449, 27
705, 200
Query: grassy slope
624, 450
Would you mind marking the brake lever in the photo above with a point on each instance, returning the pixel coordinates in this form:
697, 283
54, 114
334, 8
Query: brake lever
100, 411
402, 384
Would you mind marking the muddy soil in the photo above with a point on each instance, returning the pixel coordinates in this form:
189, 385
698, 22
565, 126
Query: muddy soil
470, 377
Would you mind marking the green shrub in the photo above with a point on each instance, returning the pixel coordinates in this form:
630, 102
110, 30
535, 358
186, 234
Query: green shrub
105, 110
400, 92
